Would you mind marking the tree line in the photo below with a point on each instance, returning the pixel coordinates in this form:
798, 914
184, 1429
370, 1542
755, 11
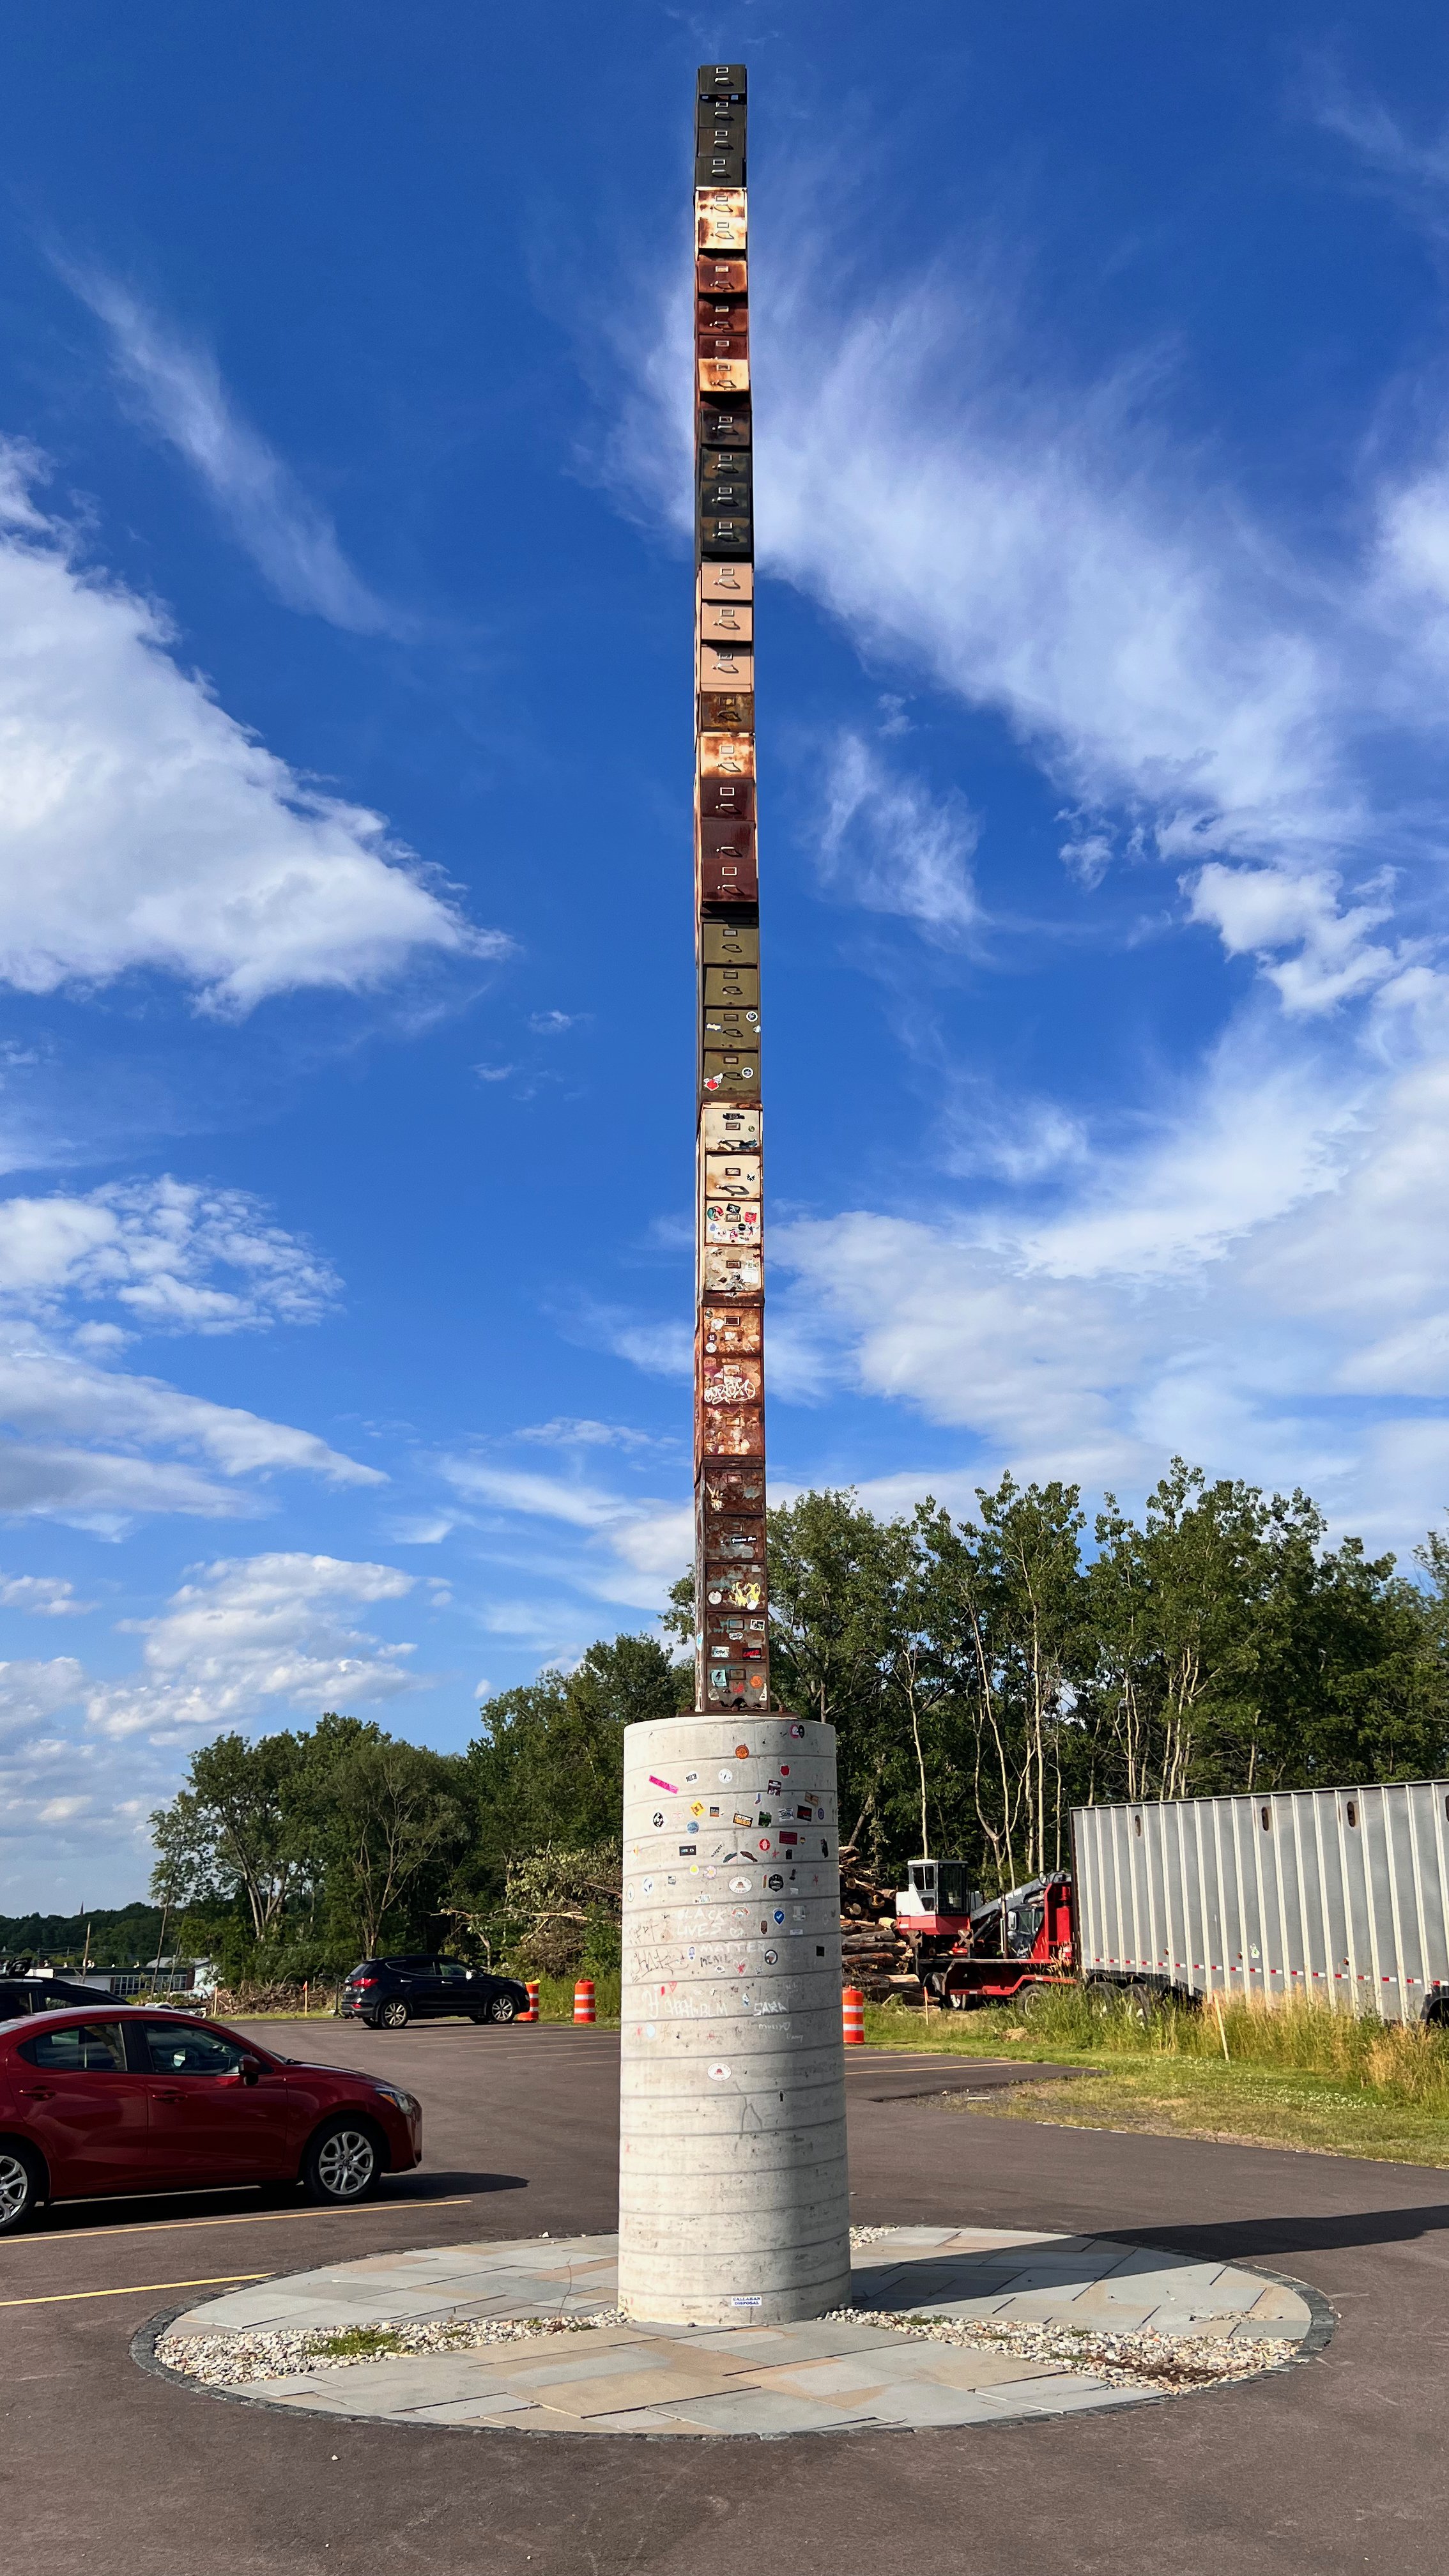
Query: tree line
985, 1675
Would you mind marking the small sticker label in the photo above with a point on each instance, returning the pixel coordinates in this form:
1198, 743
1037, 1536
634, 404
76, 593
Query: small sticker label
742, 1753
658, 1817
751, 2298
797, 1730
718, 2074
668, 1785
687, 1850
727, 1775
738, 1886
646, 1886
771, 1958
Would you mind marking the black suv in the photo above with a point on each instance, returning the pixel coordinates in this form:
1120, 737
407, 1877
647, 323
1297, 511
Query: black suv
390, 1993
21, 1995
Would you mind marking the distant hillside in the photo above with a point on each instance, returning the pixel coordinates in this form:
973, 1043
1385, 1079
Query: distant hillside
118, 1935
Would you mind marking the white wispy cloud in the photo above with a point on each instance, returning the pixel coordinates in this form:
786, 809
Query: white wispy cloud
176, 386
251, 1632
886, 842
86, 1440
141, 827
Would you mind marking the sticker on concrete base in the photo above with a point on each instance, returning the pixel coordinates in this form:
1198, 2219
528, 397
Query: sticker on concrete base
718, 2074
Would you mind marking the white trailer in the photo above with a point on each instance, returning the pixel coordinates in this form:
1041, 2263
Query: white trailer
1338, 1893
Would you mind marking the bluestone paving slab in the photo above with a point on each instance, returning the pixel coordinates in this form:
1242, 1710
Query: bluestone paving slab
840, 2374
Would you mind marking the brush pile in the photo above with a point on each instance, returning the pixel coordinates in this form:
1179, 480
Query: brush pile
874, 1954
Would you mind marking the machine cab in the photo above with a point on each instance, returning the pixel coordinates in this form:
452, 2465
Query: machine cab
936, 1887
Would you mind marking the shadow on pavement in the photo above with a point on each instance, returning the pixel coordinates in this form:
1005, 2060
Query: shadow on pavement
1236, 2239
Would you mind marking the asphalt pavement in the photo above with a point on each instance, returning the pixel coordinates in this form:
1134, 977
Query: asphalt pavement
1338, 2465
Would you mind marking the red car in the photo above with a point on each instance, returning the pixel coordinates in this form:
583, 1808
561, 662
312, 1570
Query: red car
126, 2100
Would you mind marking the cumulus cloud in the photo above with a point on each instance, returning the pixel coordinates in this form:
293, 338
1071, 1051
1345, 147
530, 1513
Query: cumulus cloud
155, 1248
33, 1693
176, 385
142, 827
45, 1596
252, 1634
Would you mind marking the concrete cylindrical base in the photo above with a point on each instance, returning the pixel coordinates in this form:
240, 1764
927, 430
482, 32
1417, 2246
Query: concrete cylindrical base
733, 2194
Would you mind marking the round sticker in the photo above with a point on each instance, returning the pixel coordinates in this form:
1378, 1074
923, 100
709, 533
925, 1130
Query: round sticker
658, 1819
718, 2074
797, 1730
770, 1958
727, 1775
764, 1842
784, 1770
646, 1886
649, 2032
742, 1753
739, 1885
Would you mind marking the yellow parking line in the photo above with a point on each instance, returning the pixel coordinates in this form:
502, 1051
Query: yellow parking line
133, 2290
100, 2234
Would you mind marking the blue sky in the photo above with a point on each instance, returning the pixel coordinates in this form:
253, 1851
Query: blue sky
345, 975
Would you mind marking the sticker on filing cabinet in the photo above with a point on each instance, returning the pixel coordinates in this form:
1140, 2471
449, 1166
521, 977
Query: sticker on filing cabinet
737, 1431
732, 1176
726, 621
729, 1328
732, 1221
737, 1592
727, 581
726, 1025
732, 1270
721, 1128
733, 1491
723, 667
728, 1069
724, 754
732, 1381
719, 220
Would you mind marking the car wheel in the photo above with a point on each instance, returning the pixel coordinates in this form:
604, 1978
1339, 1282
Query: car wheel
395, 2016
343, 2163
22, 2185
503, 2008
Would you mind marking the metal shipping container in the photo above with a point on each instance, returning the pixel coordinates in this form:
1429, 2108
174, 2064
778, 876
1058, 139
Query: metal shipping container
1339, 1893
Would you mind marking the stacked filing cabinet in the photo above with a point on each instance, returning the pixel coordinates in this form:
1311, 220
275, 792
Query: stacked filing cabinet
733, 1670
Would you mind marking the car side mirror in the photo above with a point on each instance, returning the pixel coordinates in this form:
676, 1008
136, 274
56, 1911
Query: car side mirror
249, 2069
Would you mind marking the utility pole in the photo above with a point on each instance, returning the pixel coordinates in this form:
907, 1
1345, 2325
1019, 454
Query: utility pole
732, 1669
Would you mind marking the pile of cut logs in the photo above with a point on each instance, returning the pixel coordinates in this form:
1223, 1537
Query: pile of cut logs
874, 1955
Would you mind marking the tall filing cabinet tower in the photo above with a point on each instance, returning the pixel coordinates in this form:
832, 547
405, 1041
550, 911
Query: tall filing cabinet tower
732, 1649
733, 2191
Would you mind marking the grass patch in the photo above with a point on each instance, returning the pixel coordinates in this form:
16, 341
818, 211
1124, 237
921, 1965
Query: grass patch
556, 1998
1295, 2074
359, 2343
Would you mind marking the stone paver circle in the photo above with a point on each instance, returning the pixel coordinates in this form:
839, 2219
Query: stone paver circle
1037, 2294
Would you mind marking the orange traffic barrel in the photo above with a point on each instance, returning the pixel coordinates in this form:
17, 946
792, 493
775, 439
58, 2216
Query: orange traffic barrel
584, 1999
852, 2015
532, 2012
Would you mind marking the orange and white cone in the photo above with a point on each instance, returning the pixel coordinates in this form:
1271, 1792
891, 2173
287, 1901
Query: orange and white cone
852, 2016
584, 1999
